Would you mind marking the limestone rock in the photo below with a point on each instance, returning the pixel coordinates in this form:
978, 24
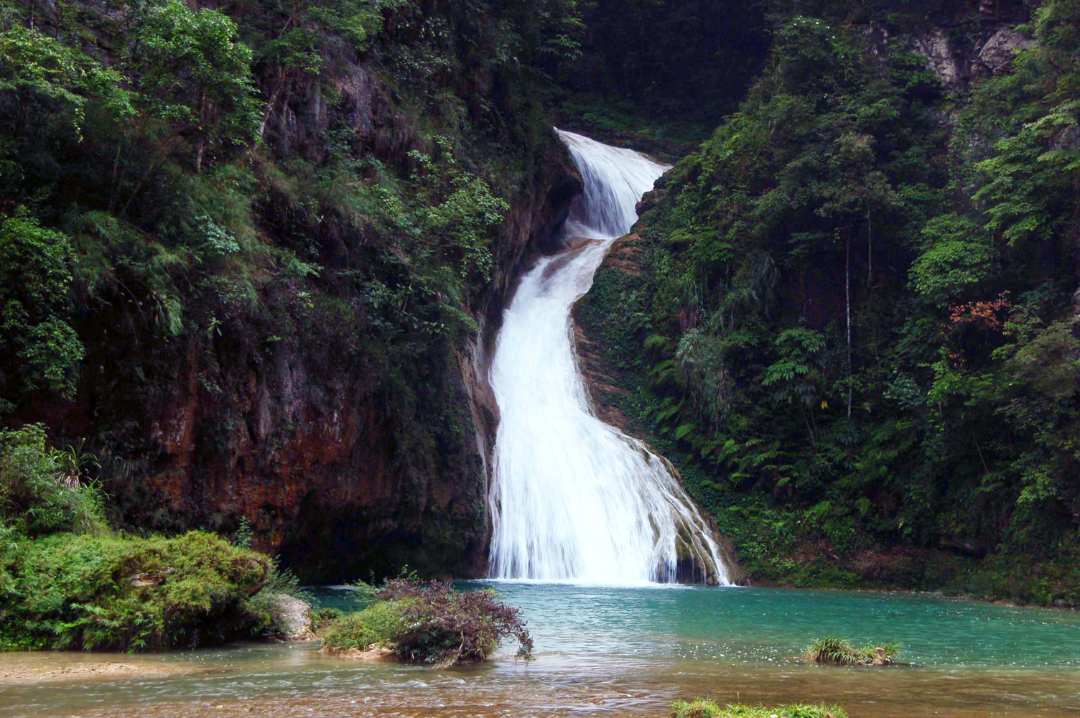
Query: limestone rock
294, 616
997, 54
941, 58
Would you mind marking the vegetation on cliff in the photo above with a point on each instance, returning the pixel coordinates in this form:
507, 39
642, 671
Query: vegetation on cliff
253, 242
236, 239
854, 326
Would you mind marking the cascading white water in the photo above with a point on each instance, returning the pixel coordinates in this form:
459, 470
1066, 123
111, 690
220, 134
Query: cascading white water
574, 499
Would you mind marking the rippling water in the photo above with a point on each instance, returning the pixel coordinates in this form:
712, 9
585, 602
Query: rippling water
611, 651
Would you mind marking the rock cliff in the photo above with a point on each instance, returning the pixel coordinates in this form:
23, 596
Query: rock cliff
311, 386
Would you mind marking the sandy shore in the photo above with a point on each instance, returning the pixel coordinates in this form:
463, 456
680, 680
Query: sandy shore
23, 668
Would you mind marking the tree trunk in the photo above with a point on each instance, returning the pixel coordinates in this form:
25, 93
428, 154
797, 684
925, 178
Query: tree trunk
870, 254
847, 296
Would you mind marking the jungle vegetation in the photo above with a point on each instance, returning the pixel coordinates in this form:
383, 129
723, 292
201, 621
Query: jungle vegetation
856, 322
184, 185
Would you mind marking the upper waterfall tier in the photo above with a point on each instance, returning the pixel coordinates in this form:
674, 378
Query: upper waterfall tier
574, 499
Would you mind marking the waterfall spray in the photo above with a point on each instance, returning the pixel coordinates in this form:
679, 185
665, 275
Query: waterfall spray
574, 499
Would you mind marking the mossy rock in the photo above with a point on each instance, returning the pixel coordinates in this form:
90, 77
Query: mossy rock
129, 594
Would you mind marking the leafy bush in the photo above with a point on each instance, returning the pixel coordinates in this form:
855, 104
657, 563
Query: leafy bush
44, 490
38, 345
432, 623
379, 624
839, 288
195, 74
445, 626
322, 618
107, 592
839, 652
709, 709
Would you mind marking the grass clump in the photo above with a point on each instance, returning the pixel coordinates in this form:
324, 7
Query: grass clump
431, 623
708, 709
837, 651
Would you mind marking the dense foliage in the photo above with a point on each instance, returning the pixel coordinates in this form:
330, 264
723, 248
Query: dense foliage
113, 593
149, 177
45, 490
431, 623
662, 70
856, 325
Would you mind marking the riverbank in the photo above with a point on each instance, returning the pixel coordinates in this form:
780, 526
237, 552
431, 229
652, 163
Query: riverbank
634, 656
618, 651
37, 667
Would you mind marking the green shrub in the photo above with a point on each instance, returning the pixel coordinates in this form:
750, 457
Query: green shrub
44, 490
106, 592
379, 624
38, 348
431, 623
708, 709
839, 652
364, 594
321, 618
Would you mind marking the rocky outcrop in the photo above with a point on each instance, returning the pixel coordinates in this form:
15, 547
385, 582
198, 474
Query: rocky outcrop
998, 52
293, 617
941, 57
956, 64
961, 43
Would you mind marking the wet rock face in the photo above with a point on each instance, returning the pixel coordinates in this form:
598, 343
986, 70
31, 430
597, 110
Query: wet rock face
301, 445
299, 115
298, 438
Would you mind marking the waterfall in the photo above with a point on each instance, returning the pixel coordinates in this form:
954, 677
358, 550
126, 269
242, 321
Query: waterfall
572, 498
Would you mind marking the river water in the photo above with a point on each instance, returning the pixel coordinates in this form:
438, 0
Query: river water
631, 651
